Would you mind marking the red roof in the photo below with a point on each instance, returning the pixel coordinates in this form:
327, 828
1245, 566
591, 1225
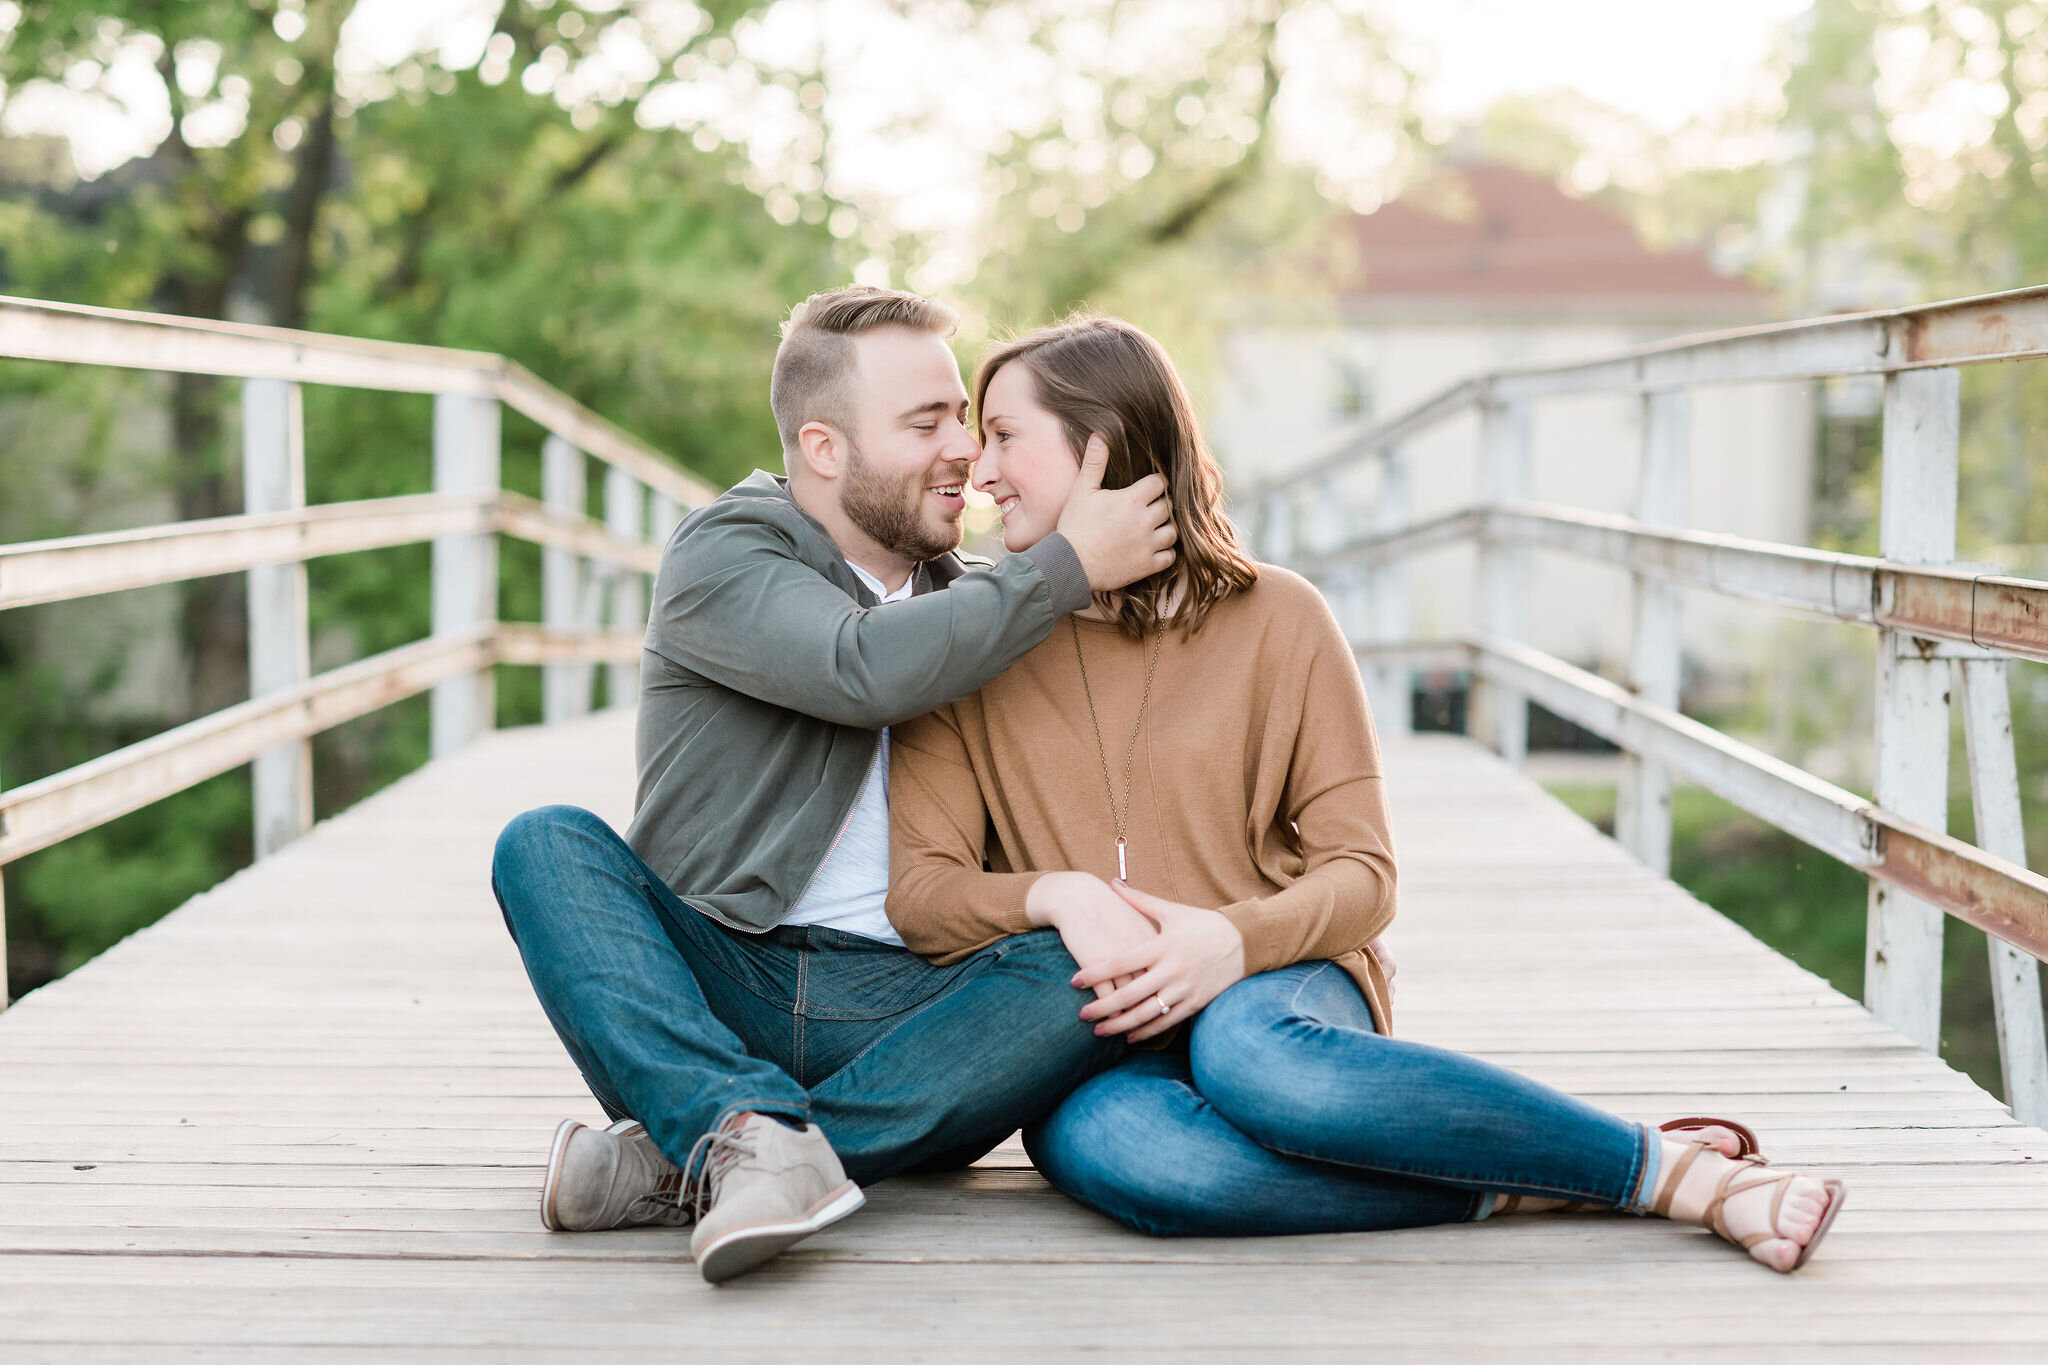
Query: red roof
1493, 233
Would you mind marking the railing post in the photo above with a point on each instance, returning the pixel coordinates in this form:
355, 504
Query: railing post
668, 514
1995, 797
1642, 812
1391, 683
1501, 716
565, 687
1342, 586
1916, 525
466, 454
625, 515
4, 996
274, 480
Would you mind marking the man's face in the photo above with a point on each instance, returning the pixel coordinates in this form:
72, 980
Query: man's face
906, 476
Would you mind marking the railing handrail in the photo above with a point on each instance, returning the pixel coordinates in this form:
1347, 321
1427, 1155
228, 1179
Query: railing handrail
41, 329
33, 573
1979, 329
1963, 604
1946, 630
590, 569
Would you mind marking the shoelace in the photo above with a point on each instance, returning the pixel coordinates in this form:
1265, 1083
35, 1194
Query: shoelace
722, 1149
672, 1201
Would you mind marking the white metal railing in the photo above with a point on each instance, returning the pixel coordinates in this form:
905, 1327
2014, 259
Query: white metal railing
587, 566
1946, 629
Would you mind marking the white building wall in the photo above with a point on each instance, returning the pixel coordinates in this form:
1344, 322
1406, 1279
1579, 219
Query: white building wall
1282, 400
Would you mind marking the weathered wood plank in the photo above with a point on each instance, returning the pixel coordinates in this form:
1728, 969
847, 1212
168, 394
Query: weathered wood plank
312, 1107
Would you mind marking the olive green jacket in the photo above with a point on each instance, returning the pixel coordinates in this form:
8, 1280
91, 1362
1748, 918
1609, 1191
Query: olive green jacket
769, 672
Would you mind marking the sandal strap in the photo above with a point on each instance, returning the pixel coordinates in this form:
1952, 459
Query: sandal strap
1749, 1144
1716, 1217
1662, 1205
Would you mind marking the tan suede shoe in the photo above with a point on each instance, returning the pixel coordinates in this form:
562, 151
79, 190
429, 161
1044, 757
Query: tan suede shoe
616, 1178
768, 1186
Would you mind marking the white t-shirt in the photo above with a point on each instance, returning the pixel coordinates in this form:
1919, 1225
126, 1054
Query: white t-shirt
850, 887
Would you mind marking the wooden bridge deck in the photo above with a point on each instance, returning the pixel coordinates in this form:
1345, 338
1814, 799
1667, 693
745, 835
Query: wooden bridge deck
304, 1118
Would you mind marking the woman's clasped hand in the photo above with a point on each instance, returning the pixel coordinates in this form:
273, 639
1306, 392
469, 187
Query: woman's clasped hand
1194, 956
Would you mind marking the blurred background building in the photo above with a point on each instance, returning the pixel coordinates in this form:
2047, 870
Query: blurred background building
1485, 265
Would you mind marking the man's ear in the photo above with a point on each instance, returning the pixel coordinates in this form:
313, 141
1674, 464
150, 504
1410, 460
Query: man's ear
821, 449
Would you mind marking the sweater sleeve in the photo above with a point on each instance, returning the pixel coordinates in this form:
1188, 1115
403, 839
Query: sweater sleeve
1335, 798
735, 603
941, 899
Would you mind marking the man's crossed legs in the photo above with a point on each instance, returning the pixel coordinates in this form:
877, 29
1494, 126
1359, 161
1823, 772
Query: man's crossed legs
708, 1037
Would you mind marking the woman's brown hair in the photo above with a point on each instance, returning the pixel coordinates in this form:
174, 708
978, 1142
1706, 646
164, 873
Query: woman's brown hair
1102, 376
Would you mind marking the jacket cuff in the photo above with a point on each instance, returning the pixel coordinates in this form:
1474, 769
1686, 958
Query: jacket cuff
1056, 560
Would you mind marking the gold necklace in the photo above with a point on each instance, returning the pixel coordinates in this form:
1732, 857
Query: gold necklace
1122, 817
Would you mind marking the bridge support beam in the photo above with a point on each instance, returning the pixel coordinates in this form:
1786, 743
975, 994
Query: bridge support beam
1642, 811
274, 480
1916, 525
565, 687
466, 460
1390, 682
1500, 716
625, 515
1980, 689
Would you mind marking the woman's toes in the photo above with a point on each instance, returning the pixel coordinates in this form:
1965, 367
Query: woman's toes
1779, 1253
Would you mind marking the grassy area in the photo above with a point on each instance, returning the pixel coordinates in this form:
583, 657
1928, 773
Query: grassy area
1807, 906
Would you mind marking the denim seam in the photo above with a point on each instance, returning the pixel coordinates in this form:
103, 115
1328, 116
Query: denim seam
1485, 1182
885, 1037
749, 987
1639, 1199
1295, 1003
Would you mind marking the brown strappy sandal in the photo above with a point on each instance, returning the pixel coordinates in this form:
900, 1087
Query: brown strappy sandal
1711, 1217
1749, 1150
1750, 1146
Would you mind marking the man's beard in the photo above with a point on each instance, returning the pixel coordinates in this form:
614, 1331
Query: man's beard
891, 512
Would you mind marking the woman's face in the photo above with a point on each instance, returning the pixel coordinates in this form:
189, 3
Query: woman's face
1026, 464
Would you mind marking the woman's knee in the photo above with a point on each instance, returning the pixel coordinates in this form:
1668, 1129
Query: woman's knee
1256, 1050
1244, 1033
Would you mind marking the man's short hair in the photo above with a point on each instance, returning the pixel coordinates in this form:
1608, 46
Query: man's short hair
814, 365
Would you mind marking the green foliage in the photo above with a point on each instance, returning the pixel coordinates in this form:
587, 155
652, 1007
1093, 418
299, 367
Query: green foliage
620, 262
641, 267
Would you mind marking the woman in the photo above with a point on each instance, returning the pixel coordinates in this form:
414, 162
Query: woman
1205, 737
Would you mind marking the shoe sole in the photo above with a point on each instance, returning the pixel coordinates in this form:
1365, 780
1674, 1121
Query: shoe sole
552, 1181
740, 1250
1837, 1193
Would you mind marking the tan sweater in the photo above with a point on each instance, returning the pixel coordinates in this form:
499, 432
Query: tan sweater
1256, 787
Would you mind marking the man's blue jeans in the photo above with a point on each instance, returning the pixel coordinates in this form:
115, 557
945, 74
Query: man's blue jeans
678, 1021
1287, 1113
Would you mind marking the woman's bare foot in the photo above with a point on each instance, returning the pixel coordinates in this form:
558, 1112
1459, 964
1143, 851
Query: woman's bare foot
1687, 1192
1725, 1140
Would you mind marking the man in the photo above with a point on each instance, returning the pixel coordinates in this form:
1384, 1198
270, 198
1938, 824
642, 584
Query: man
725, 977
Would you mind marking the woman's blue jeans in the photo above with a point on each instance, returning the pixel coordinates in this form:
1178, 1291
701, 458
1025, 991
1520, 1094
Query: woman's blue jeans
1288, 1113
